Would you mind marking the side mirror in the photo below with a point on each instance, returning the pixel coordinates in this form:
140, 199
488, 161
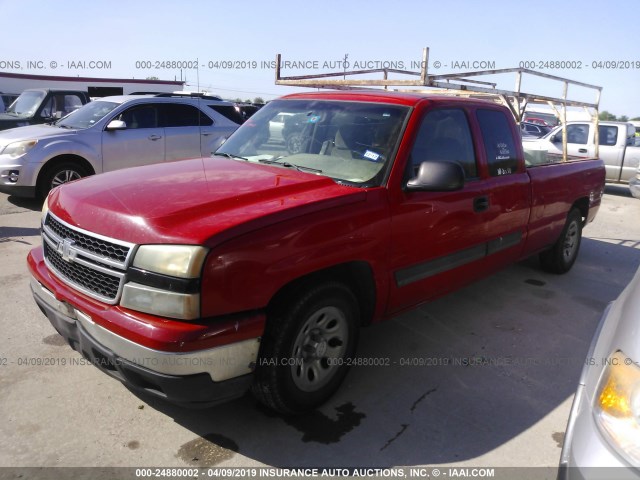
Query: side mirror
116, 125
437, 177
557, 138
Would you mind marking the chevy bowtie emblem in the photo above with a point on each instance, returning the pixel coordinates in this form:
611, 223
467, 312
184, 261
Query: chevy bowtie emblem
64, 249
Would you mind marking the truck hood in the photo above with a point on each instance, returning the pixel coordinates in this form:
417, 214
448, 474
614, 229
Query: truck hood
200, 201
31, 132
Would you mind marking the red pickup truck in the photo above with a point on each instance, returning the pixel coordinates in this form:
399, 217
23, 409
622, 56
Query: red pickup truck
254, 269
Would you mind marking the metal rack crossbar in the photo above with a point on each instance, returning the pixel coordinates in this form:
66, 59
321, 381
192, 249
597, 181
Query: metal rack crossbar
459, 84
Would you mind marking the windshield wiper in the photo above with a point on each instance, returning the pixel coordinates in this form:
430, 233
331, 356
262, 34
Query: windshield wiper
289, 165
230, 155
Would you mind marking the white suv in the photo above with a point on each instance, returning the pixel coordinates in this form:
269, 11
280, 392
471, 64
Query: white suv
112, 133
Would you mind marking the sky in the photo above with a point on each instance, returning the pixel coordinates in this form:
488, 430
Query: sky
234, 43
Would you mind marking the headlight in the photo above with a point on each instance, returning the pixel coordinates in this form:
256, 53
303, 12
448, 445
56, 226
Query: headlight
45, 208
156, 301
164, 281
184, 261
617, 405
17, 149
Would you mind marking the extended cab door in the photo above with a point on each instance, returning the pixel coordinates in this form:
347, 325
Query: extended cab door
140, 143
442, 240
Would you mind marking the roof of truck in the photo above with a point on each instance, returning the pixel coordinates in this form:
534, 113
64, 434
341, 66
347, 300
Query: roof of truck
381, 96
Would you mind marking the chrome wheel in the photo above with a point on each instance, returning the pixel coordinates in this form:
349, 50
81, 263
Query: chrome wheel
319, 349
64, 176
571, 241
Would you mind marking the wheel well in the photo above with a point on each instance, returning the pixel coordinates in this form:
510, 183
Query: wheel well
357, 276
582, 205
61, 159
66, 158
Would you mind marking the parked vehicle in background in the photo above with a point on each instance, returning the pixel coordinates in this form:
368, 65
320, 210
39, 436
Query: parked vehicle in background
247, 109
617, 146
109, 134
35, 106
533, 130
604, 424
6, 99
256, 269
287, 128
634, 184
540, 118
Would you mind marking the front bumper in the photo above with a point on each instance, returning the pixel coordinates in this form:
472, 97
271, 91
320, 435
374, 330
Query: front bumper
27, 173
194, 378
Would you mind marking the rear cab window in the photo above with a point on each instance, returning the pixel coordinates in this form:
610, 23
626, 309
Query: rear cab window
499, 144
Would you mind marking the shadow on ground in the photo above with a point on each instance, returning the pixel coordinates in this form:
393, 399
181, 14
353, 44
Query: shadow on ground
467, 373
617, 190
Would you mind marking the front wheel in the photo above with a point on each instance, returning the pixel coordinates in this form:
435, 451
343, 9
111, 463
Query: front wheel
59, 174
307, 348
561, 257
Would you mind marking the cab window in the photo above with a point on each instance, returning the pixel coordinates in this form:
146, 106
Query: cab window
444, 136
499, 144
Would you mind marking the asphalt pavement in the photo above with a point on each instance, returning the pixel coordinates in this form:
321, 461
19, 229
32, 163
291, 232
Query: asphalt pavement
483, 377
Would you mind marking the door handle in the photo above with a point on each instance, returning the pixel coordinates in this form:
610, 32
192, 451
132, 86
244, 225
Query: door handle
155, 137
206, 134
480, 204
582, 150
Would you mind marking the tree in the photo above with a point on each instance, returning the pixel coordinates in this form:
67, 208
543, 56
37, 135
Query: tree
623, 118
606, 116
258, 100
238, 100
635, 119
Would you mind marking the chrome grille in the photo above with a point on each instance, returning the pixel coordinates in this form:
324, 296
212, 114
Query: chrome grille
95, 245
101, 284
90, 263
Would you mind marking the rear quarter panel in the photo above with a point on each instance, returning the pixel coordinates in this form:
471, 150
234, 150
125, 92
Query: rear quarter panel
555, 189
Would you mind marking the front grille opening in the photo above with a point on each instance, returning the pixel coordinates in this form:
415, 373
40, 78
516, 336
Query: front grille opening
104, 285
94, 245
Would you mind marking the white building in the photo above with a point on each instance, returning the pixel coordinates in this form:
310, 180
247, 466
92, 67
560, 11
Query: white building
97, 87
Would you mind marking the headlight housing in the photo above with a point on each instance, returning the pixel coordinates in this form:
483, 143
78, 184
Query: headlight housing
45, 209
164, 281
617, 405
17, 149
184, 261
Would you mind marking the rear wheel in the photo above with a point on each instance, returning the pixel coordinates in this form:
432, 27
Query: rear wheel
561, 257
306, 349
59, 174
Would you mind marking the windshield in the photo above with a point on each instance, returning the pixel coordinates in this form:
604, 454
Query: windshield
26, 104
347, 141
87, 115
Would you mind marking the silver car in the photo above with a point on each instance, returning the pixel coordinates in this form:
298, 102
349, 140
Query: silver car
109, 134
603, 435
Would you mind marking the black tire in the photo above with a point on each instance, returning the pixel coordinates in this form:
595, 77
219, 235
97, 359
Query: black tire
320, 321
561, 257
58, 174
294, 143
